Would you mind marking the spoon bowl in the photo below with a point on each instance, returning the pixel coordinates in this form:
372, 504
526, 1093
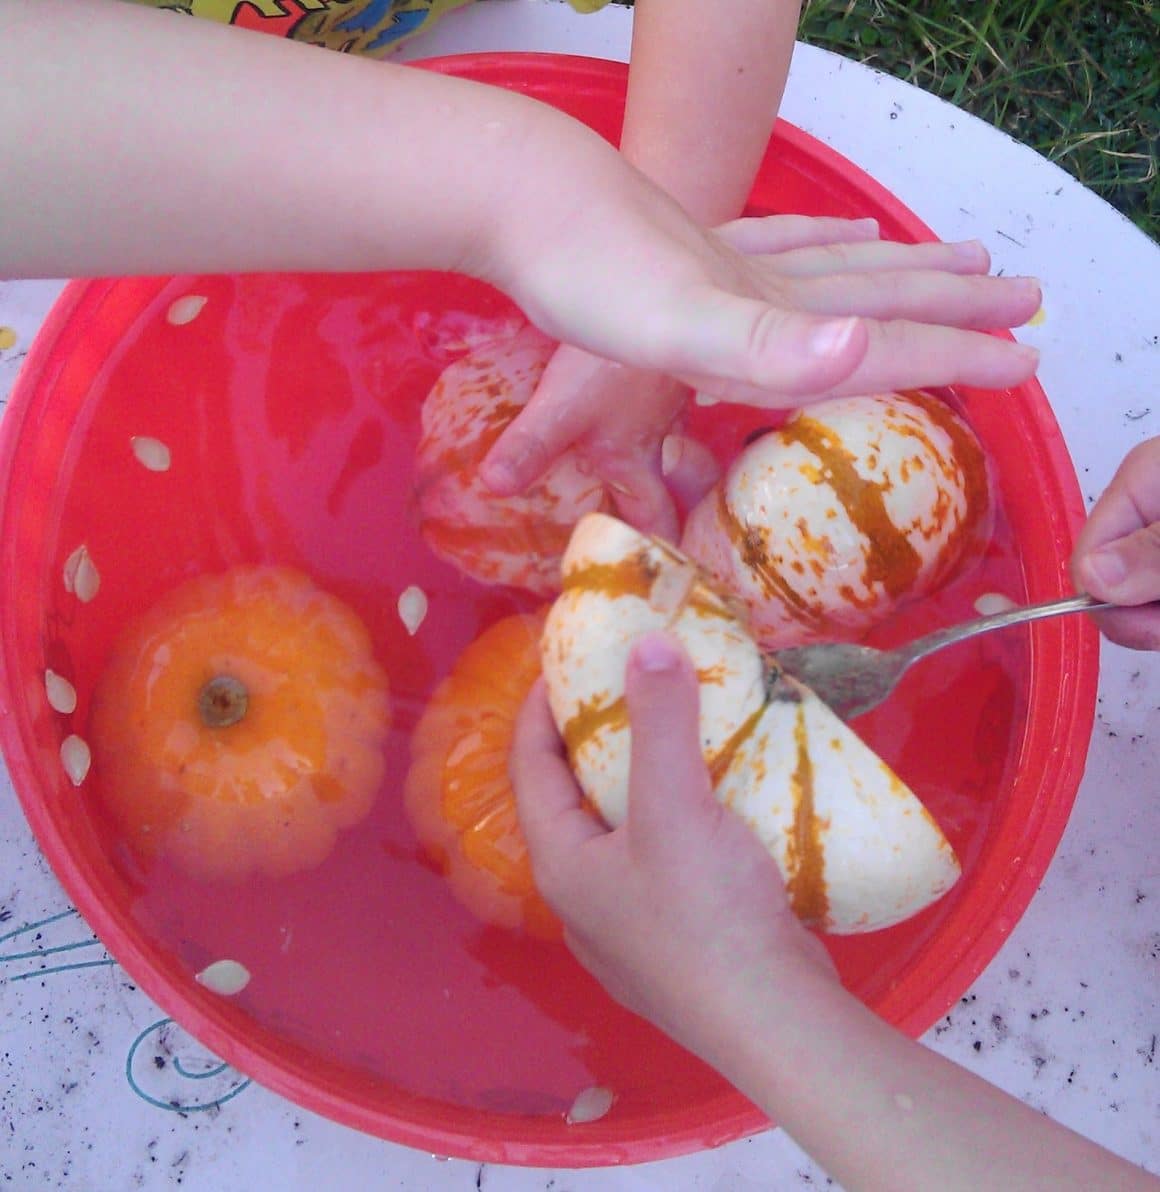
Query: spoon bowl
852, 679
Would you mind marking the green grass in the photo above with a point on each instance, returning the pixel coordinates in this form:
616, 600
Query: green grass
1079, 82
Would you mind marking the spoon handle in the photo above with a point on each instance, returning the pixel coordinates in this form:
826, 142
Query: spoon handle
922, 646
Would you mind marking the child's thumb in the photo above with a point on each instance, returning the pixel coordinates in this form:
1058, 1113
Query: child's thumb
765, 347
668, 779
1126, 571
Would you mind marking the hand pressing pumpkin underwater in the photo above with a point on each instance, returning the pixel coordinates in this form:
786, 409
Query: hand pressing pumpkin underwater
856, 849
516, 539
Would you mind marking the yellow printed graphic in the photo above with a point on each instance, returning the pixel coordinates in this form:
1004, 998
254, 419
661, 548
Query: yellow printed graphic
370, 27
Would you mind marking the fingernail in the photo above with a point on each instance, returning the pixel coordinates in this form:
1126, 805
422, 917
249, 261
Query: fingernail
1108, 567
1030, 286
867, 224
520, 460
970, 250
500, 477
831, 339
656, 654
672, 448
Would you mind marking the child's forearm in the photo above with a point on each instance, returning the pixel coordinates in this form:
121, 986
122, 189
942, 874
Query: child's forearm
136, 141
880, 1111
705, 83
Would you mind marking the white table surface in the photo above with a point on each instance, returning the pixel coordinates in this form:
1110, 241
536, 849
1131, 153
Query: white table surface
1066, 1017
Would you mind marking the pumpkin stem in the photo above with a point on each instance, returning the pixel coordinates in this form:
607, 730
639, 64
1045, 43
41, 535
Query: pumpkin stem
223, 701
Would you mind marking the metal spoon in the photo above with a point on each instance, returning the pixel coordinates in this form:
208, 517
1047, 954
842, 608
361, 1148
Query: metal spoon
853, 679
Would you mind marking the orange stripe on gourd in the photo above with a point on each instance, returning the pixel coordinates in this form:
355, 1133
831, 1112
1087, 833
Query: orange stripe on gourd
806, 882
853, 506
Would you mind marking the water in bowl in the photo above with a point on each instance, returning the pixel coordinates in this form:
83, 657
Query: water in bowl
288, 408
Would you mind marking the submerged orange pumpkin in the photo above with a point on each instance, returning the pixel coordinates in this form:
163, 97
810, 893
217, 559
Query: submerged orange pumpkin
458, 794
240, 725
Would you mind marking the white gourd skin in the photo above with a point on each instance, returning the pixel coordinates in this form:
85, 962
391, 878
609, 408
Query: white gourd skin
618, 585
516, 540
857, 849
823, 527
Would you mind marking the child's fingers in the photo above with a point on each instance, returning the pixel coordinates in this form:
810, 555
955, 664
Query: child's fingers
782, 233
750, 346
554, 418
903, 353
1125, 571
521, 455
614, 417
921, 295
899, 354
640, 495
1117, 555
1134, 628
547, 798
690, 469
669, 783
968, 257
1130, 502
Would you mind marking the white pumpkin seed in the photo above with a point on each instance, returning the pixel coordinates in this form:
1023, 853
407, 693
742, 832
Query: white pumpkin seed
185, 309
226, 977
62, 695
591, 1105
81, 577
76, 758
993, 602
413, 608
151, 453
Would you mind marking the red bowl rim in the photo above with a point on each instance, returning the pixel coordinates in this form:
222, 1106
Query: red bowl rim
472, 1134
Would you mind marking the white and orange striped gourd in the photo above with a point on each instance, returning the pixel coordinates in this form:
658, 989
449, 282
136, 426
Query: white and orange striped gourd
857, 849
855, 505
515, 540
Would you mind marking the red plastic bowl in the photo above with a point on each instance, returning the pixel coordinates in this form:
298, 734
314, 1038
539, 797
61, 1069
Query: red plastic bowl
290, 406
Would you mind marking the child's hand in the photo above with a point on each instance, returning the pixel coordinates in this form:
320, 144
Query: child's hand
616, 419
680, 912
765, 305
1117, 556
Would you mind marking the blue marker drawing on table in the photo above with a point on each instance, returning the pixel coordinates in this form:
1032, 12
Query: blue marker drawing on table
162, 1059
154, 1060
51, 953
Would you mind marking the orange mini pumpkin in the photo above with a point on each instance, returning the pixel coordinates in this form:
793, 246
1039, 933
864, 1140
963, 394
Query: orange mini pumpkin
458, 794
240, 725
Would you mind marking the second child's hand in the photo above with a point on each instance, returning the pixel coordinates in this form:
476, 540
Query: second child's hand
919, 310
1117, 554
